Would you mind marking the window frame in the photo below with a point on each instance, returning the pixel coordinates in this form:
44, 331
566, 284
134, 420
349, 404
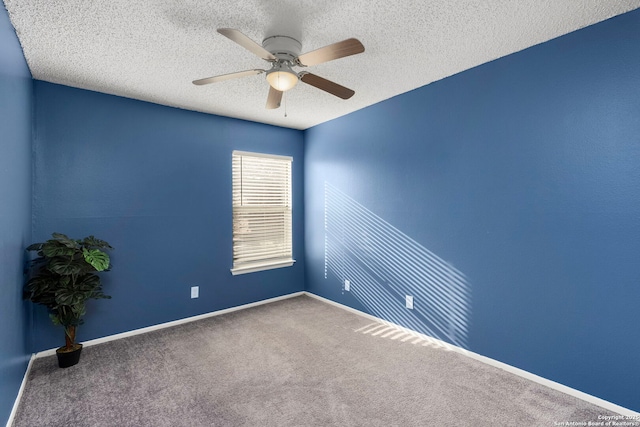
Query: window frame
241, 215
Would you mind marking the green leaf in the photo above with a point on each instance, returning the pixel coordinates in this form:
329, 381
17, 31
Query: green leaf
92, 242
64, 299
79, 309
98, 259
37, 264
65, 240
54, 248
54, 318
34, 247
42, 289
88, 281
65, 266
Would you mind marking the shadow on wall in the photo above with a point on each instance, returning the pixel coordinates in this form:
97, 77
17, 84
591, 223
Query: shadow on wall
384, 265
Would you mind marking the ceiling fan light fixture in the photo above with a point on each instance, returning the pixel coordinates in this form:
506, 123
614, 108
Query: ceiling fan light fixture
282, 78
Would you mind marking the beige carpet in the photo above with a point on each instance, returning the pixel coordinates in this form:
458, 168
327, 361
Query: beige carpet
297, 362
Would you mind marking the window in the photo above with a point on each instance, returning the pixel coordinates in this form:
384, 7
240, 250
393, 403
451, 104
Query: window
261, 212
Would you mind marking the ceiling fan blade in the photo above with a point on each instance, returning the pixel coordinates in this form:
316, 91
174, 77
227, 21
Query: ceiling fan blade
326, 85
274, 98
329, 53
223, 77
247, 43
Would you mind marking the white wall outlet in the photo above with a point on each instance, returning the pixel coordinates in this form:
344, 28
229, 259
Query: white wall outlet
347, 285
409, 302
195, 291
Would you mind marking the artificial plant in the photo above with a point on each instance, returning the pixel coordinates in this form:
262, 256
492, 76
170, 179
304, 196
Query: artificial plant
63, 277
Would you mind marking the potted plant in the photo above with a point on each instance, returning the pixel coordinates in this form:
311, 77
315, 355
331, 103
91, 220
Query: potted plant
62, 278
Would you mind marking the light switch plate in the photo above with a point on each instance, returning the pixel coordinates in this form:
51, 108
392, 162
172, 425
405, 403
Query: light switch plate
195, 291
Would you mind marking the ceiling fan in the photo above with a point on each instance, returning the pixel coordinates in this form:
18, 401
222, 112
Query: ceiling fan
283, 53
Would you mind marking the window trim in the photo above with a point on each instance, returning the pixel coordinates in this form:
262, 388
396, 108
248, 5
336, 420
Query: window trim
265, 264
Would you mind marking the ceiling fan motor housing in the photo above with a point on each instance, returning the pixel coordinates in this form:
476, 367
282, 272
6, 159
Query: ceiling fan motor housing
283, 47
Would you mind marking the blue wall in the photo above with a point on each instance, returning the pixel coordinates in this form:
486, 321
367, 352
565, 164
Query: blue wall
15, 210
522, 176
506, 195
155, 182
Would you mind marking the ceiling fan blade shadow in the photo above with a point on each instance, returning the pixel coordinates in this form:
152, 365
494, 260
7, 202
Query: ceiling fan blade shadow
329, 53
274, 99
223, 77
247, 43
326, 85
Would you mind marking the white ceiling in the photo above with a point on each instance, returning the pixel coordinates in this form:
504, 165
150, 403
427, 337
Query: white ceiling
151, 50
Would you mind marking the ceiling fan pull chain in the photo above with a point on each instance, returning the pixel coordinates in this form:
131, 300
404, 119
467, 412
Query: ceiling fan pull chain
285, 103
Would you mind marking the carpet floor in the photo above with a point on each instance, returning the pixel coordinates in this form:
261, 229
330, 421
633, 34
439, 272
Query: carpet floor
296, 362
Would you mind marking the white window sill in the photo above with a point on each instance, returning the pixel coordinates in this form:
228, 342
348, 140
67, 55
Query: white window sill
252, 268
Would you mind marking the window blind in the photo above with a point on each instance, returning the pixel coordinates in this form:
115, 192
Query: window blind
262, 229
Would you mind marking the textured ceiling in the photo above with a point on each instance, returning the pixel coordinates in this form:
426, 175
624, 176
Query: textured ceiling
152, 50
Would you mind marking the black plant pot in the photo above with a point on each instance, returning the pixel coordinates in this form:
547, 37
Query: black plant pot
68, 358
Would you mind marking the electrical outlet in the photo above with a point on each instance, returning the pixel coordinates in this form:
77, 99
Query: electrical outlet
409, 302
195, 291
347, 285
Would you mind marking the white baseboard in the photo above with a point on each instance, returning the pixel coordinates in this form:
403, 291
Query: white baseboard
512, 369
14, 410
89, 343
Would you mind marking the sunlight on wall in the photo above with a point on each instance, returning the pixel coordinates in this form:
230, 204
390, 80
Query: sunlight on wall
383, 265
